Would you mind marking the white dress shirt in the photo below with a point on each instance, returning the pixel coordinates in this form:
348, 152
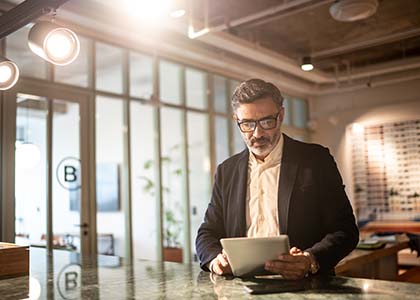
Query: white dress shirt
262, 193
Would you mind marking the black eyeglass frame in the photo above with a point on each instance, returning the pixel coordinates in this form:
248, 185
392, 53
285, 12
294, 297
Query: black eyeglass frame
255, 122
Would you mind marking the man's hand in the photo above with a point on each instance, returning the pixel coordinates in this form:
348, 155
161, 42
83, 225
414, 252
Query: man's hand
220, 264
291, 266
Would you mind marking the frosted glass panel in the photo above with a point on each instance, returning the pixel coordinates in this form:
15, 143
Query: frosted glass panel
170, 82
141, 75
199, 170
110, 136
220, 98
173, 185
109, 68
76, 73
196, 83
143, 184
221, 139
300, 113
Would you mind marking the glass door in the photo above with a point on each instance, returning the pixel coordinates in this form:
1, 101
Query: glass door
50, 171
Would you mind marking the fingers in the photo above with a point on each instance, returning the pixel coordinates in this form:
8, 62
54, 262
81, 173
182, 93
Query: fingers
290, 266
293, 275
223, 259
295, 251
221, 265
287, 271
217, 268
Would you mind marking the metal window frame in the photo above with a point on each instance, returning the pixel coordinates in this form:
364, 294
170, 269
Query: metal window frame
157, 103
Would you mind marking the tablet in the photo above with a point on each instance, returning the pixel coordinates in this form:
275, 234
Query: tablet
247, 256
280, 287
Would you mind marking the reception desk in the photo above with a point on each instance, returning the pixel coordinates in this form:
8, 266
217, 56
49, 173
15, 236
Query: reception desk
375, 264
61, 276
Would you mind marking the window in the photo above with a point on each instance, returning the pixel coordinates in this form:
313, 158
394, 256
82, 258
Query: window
220, 94
199, 169
170, 83
173, 179
144, 169
76, 73
196, 88
300, 113
110, 166
109, 68
221, 139
141, 75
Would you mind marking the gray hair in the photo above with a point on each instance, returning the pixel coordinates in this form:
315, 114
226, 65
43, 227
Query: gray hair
253, 90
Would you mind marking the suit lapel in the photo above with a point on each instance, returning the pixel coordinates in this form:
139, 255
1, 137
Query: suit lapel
240, 195
288, 171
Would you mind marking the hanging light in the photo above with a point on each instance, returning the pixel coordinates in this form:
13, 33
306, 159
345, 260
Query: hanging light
307, 64
9, 73
58, 45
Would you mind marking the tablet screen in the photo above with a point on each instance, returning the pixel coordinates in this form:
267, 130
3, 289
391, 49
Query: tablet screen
247, 256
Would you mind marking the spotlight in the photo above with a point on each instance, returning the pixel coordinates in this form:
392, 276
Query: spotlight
58, 45
307, 64
9, 73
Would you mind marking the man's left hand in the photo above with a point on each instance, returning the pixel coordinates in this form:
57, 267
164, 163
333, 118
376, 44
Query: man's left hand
291, 266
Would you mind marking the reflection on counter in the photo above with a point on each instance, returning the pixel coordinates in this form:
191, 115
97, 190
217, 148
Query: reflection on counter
63, 276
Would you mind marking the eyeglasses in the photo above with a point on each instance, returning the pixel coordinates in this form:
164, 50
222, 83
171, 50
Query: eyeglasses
266, 123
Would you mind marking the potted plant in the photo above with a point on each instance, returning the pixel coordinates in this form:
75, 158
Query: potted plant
172, 250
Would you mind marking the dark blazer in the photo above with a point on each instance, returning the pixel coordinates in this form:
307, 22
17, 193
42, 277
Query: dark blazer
313, 208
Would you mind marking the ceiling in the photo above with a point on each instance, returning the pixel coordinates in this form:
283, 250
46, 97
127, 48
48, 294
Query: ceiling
306, 28
269, 38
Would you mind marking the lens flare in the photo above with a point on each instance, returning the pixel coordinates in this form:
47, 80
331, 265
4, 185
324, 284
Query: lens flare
62, 46
6, 73
9, 74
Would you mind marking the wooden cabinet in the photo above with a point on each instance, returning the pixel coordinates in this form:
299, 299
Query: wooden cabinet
14, 260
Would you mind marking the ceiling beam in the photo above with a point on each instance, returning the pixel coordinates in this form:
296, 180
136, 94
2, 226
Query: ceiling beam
24, 13
381, 69
354, 46
289, 13
264, 14
238, 46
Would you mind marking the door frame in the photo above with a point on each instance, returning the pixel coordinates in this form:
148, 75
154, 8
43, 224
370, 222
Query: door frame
87, 150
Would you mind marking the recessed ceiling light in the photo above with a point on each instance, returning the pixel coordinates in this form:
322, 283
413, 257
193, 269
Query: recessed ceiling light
353, 10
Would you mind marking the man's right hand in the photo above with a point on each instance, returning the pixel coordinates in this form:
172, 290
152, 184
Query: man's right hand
220, 264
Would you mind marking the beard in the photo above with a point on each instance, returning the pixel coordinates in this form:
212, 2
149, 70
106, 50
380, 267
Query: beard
263, 146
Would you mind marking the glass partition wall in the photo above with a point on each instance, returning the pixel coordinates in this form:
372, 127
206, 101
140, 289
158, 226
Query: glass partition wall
158, 129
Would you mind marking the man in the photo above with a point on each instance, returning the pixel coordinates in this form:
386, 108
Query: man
277, 186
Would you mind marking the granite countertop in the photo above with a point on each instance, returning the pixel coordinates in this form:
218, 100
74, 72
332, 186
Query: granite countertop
62, 277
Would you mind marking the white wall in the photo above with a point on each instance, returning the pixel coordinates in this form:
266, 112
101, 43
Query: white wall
332, 115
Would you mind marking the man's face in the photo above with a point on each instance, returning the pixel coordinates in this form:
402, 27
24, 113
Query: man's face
261, 141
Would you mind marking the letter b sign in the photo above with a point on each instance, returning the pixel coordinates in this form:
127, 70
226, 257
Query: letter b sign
68, 173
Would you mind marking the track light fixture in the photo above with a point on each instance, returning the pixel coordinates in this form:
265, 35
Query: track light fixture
9, 73
307, 64
56, 44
